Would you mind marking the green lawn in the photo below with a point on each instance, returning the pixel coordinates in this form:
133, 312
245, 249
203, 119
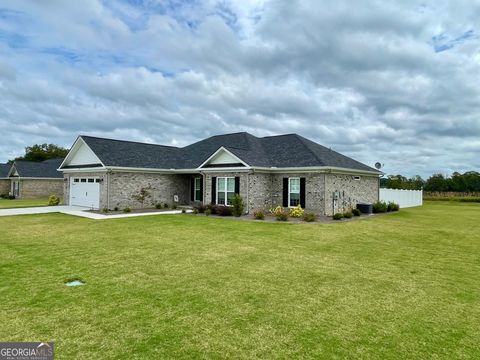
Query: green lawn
20, 203
399, 286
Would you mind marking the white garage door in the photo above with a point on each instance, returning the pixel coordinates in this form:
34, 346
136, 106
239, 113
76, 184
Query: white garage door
85, 191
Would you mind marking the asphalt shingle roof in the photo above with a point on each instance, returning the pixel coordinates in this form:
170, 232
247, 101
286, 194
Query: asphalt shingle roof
4, 169
289, 150
44, 169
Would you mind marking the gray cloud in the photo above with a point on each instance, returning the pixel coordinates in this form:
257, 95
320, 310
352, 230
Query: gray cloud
365, 78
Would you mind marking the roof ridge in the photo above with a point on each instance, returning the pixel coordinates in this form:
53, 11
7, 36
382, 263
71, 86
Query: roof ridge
128, 141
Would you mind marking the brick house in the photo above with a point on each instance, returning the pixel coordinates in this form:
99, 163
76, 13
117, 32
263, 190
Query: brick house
4, 180
286, 170
31, 179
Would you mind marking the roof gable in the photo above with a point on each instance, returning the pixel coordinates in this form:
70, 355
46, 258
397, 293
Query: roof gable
81, 155
223, 158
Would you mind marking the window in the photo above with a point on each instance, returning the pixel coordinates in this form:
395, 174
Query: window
356, 178
293, 191
97, 180
198, 189
76, 180
83, 180
91, 180
225, 190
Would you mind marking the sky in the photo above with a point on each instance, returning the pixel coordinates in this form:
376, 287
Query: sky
395, 82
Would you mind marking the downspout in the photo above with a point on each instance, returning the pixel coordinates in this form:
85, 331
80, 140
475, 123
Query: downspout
108, 188
248, 191
204, 181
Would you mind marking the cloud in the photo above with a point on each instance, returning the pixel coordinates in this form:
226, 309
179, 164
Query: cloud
393, 82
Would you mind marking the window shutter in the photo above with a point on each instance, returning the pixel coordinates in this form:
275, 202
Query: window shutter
302, 193
285, 192
201, 188
237, 184
192, 189
214, 189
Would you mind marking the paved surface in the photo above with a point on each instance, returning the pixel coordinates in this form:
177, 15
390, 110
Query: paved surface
77, 211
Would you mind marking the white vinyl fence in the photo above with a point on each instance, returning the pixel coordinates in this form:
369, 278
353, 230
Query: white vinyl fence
404, 198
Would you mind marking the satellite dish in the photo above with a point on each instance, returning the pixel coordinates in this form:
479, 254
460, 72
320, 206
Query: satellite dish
378, 166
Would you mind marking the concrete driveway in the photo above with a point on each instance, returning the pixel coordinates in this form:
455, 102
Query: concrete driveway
41, 210
78, 211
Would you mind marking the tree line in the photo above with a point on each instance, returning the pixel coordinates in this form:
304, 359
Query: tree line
457, 182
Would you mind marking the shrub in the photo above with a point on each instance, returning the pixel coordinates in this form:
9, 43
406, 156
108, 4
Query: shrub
309, 217
238, 205
348, 215
165, 206
158, 206
356, 212
276, 210
11, 197
259, 215
195, 211
208, 212
3, 196
142, 195
223, 210
184, 211
297, 212
174, 206
393, 206
380, 207
105, 210
116, 208
53, 200
338, 216
200, 208
127, 210
283, 216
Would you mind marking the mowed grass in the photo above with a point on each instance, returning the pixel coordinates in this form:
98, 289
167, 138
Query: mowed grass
399, 286
21, 203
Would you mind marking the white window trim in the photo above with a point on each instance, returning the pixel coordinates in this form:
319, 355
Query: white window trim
225, 191
299, 191
195, 187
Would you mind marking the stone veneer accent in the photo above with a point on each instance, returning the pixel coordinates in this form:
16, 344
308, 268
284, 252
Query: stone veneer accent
40, 188
4, 186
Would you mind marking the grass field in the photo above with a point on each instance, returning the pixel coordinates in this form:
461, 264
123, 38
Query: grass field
399, 286
20, 203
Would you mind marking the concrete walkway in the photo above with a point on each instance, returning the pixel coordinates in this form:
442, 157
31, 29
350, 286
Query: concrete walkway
78, 211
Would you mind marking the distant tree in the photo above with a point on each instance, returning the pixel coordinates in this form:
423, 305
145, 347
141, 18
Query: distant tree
437, 182
43, 152
401, 182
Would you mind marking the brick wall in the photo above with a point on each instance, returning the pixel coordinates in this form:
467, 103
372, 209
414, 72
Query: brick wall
4, 186
162, 188
259, 190
32, 189
351, 191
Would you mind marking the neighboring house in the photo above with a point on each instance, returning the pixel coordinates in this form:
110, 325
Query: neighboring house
4, 180
30, 179
286, 170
